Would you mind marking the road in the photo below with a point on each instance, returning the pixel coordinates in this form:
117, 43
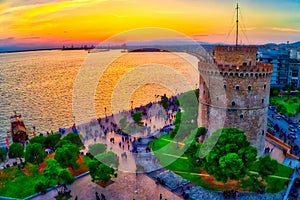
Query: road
282, 124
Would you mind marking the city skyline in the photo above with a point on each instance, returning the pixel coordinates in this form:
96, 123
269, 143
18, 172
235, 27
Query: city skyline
39, 24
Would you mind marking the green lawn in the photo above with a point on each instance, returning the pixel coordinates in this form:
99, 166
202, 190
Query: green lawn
182, 167
18, 184
286, 105
283, 171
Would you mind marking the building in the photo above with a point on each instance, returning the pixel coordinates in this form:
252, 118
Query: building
280, 60
234, 92
294, 73
286, 63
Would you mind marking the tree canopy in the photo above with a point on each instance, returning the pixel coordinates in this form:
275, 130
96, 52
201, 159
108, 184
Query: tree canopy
52, 169
231, 156
62, 143
34, 153
100, 171
164, 101
16, 150
3, 154
74, 138
54, 172
67, 155
38, 139
137, 117
52, 140
267, 166
66, 177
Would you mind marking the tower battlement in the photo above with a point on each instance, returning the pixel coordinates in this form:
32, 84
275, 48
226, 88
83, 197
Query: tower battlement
233, 49
214, 68
235, 55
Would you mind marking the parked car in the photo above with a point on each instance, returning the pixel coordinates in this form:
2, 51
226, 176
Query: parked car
295, 124
272, 108
271, 131
292, 135
278, 117
292, 129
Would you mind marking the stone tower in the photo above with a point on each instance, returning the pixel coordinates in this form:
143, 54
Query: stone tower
234, 92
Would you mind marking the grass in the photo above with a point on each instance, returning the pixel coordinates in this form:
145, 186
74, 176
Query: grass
286, 105
275, 185
181, 165
164, 146
18, 183
282, 171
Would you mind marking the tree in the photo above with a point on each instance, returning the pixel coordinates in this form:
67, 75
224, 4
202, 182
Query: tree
193, 154
41, 185
62, 143
96, 149
16, 150
231, 156
100, 171
274, 92
52, 169
267, 166
74, 138
52, 140
38, 139
164, 101
200, 131
67, 155
137, 117
34, 153
3, 154
66, 177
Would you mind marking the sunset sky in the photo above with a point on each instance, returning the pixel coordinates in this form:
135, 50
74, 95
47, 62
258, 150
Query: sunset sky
45, 23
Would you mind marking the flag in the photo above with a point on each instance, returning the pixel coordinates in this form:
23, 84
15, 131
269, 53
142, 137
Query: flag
7, 142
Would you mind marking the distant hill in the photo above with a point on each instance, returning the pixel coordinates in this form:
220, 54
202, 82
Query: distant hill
295, 44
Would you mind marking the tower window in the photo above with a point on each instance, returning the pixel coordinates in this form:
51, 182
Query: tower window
262, 132
249, 88
203, 91
233, 103
237, 88
241, 116
225, 87
265, 86
262, 101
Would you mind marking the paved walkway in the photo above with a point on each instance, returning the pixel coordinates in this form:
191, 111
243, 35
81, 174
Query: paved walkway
126, 186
